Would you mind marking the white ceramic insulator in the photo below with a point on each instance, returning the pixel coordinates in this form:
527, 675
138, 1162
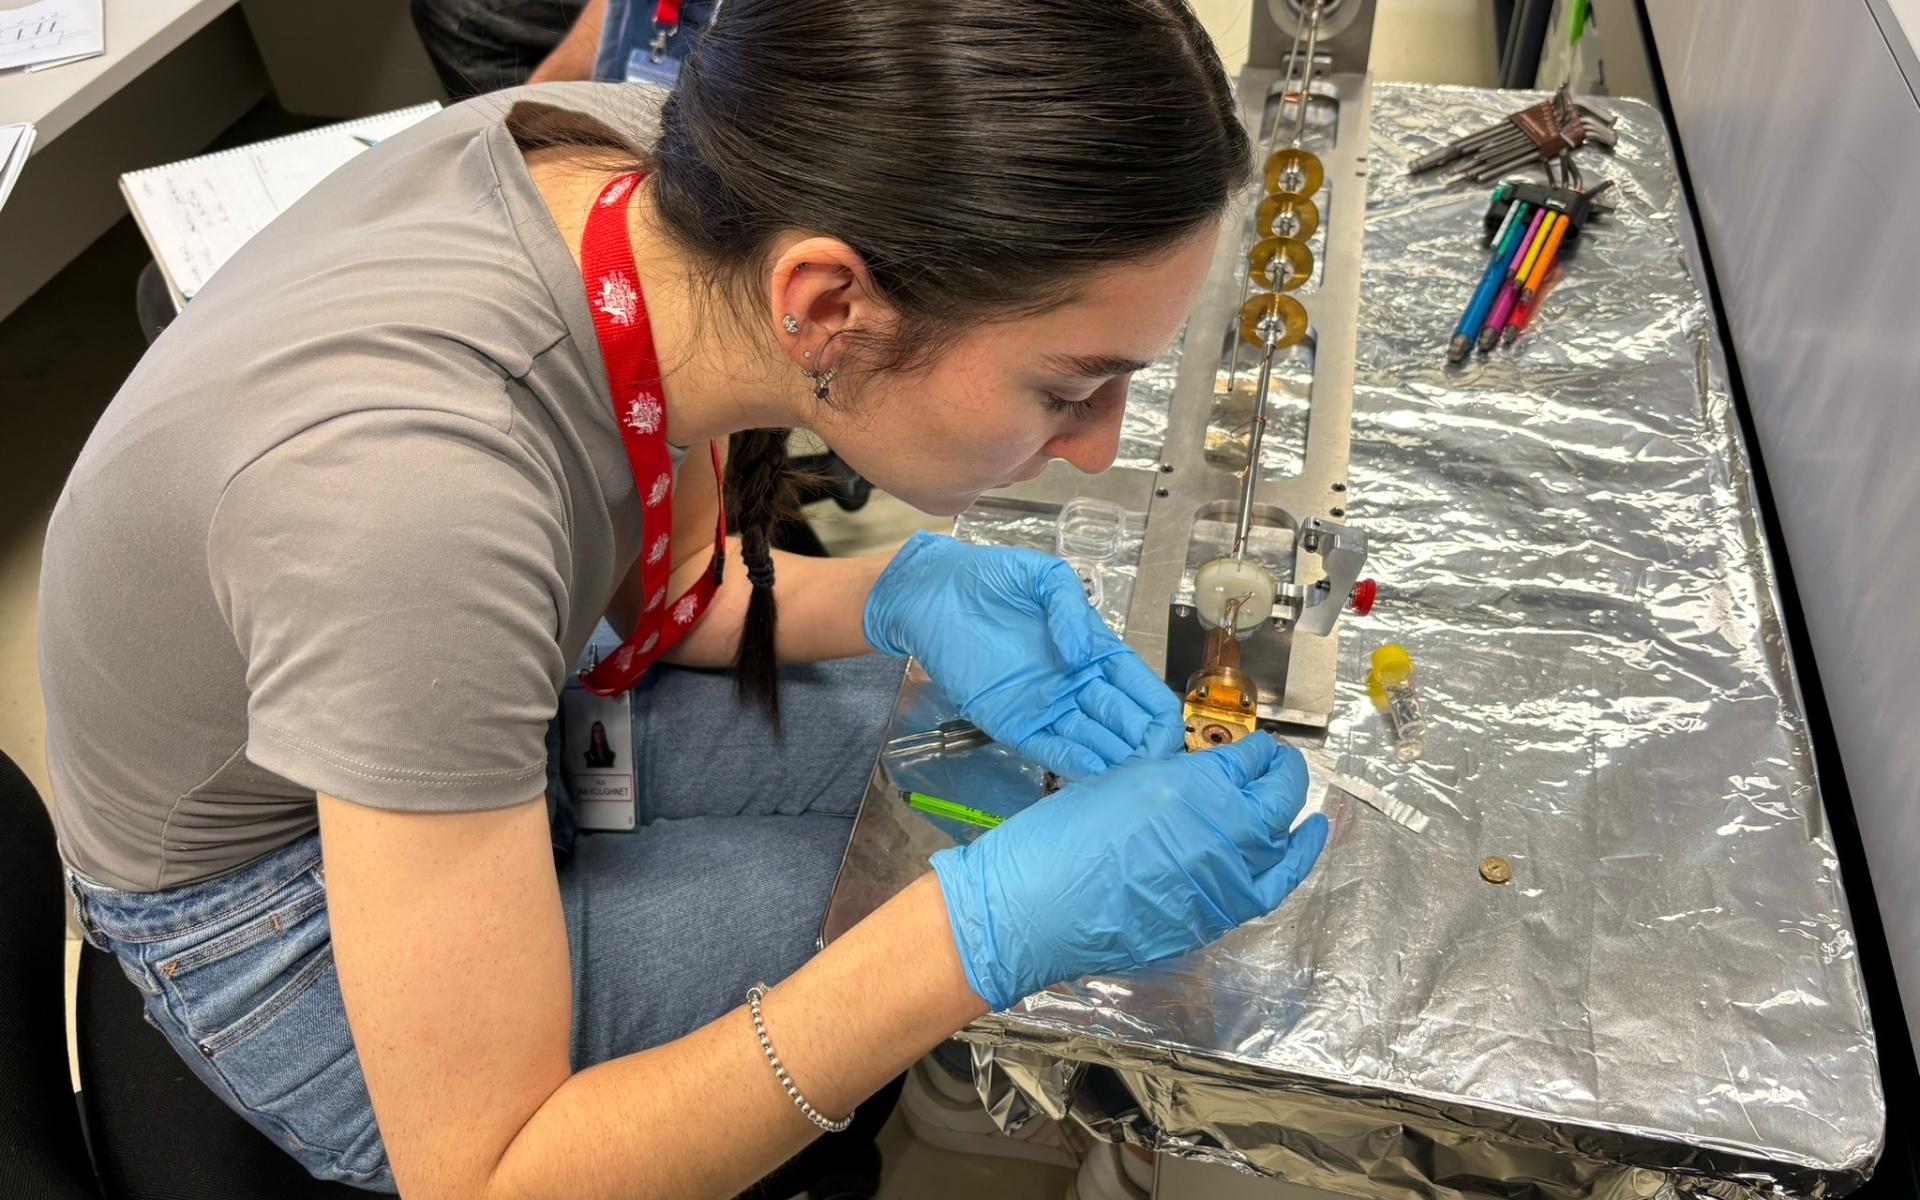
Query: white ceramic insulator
1221, 580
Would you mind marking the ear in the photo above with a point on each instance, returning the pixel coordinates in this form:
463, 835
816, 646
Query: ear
824, 286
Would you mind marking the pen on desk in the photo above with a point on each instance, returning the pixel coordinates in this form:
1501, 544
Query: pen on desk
950, 810
1463, 333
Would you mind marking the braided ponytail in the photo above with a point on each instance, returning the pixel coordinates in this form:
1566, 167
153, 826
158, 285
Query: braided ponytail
761, 491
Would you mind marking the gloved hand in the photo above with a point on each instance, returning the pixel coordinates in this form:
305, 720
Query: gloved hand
1137, 864
1010, 638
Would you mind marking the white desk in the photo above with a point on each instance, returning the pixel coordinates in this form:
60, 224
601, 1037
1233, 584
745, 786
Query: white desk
175, 74
139, 34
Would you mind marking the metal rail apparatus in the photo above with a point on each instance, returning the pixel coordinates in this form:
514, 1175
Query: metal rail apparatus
1246, 564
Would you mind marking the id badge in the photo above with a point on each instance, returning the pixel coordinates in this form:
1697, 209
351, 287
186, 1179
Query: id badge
596, 736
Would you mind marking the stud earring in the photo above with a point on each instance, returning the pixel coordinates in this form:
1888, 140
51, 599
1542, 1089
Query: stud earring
789, 324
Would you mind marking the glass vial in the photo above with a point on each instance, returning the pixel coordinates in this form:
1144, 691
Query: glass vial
1390, 685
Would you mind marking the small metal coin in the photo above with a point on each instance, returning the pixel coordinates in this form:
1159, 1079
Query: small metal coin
1495, 869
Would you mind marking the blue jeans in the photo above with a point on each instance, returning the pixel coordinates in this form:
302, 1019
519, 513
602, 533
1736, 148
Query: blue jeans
723, 883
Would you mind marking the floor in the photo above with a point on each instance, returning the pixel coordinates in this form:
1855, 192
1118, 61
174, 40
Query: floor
63, 354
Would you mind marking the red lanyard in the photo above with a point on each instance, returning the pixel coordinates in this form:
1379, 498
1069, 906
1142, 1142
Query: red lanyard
633, 375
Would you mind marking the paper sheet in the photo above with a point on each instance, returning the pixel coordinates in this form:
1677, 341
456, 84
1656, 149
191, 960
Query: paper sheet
50, 33
196, 213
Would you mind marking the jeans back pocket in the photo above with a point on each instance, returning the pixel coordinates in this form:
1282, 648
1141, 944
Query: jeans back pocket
261, 1002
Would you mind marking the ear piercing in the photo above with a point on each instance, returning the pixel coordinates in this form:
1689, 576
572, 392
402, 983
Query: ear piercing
822, 380
789, 324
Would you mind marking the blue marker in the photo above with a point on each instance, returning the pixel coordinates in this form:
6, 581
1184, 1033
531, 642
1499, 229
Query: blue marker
1463, 333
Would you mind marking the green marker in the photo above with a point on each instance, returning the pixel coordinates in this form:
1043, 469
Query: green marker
950, 810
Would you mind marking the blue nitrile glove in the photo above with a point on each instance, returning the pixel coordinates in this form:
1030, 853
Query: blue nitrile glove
1010, 638
1137, 864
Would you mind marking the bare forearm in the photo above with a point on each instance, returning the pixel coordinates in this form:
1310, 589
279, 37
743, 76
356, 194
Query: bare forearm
573, 57
821, 601
704, 1116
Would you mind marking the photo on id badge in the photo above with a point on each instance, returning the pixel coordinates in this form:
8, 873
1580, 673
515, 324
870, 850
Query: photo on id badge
596, 737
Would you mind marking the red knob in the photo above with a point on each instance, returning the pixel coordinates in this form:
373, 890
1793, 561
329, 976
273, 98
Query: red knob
1363, 595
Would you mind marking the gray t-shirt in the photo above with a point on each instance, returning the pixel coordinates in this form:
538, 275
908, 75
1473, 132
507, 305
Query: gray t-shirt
347, 525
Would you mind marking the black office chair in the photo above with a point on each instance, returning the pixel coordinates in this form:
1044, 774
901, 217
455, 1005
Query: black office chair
152, 1131
42, 1150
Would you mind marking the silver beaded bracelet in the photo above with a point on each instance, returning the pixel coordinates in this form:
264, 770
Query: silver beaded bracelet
755, 994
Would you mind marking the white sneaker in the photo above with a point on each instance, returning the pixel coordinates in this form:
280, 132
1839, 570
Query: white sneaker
1109, 1172
942, 1111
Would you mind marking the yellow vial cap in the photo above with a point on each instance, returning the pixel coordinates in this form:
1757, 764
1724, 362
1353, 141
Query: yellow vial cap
1392, 667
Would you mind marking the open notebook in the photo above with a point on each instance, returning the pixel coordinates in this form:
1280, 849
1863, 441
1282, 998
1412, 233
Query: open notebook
195, 213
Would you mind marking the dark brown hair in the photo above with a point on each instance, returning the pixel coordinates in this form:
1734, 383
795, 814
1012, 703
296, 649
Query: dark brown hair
983, 159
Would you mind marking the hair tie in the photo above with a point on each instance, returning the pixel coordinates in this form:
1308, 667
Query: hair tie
759, 567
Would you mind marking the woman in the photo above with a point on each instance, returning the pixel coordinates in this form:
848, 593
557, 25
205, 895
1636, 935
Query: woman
318, 578
600, 753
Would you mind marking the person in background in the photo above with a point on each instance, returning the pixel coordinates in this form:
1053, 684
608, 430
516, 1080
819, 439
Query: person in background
484, 45
634, 41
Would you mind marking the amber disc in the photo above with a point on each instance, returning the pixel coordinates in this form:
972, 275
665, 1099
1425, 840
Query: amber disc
1280, 263
1287, 214
1292, 169
1284, 313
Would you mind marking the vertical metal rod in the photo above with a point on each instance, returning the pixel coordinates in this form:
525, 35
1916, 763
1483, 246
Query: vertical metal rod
1286, 85
1243, 520
1306, 71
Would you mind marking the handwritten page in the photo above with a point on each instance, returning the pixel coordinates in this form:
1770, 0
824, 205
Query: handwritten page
196, 213
50, 33
15, 142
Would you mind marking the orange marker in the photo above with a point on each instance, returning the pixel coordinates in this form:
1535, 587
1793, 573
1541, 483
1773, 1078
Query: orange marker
1544, 263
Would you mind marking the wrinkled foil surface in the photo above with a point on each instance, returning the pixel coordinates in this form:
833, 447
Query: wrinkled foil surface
1665, 998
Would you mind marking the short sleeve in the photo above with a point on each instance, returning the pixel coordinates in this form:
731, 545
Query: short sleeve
394, 581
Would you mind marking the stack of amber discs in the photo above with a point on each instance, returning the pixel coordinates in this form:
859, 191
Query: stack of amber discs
1280, 261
